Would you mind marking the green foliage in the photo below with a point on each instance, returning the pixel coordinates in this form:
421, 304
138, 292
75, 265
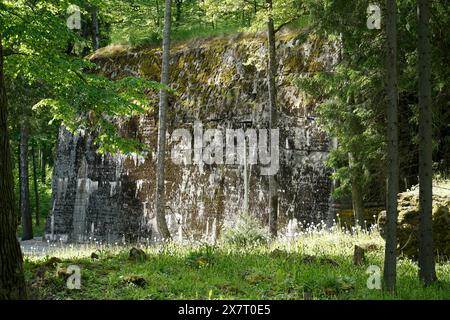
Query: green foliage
247, 232
352, 98
139, 22
36, 35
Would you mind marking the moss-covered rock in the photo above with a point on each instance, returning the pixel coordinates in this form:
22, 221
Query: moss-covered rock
408, 223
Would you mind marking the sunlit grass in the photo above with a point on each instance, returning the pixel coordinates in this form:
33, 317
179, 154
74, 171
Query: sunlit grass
313, 260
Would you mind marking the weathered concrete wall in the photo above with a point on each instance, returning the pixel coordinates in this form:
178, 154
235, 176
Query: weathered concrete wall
220, 82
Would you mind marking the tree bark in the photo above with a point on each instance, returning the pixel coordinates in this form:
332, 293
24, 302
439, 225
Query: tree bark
19, 217
163, 106
427, 272
12, 281
390, 254
178, 14
27, 225
273, 121
35, 185
43, 167
357, 193
95, 30
158, 17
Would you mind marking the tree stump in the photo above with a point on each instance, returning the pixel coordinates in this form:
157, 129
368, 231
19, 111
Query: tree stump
358, 255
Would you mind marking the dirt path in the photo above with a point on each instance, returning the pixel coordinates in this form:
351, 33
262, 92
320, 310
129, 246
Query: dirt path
40, 248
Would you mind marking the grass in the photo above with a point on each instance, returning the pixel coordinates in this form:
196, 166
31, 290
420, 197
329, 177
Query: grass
153, 37
314, 261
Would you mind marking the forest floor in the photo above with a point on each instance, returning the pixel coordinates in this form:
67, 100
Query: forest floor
317, 262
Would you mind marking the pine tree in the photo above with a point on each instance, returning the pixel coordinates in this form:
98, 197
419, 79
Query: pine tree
390, 258
427, 272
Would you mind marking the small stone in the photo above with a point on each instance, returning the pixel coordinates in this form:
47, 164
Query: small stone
137, 255
94, 256
61, 272
52, 262
136, 280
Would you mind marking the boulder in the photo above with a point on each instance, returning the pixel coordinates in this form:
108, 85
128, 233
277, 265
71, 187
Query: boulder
408, 223
137, 255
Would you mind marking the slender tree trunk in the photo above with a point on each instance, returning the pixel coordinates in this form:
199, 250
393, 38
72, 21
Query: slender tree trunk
19, 217
27, 225
158, 14
246, 191
390, 255
12, 281
427, 273
95, 30
35, 184
331, 217
273, 117
163, 106
178, 13
43, 167
357, 193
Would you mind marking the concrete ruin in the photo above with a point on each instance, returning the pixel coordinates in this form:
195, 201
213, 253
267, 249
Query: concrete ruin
221, 82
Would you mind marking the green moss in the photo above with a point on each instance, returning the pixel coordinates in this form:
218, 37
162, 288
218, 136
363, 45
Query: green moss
150, 67
408, 225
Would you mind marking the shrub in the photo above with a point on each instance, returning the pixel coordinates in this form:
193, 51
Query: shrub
247, 231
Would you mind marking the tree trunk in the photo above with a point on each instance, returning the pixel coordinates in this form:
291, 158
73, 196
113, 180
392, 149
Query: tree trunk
331, 216
35, 184
27, 225
273, 121
158, 16
163, 106
178, 14
12, 281
427, 272
19, 217
95, 30
43, 167
390, 254
357, 193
